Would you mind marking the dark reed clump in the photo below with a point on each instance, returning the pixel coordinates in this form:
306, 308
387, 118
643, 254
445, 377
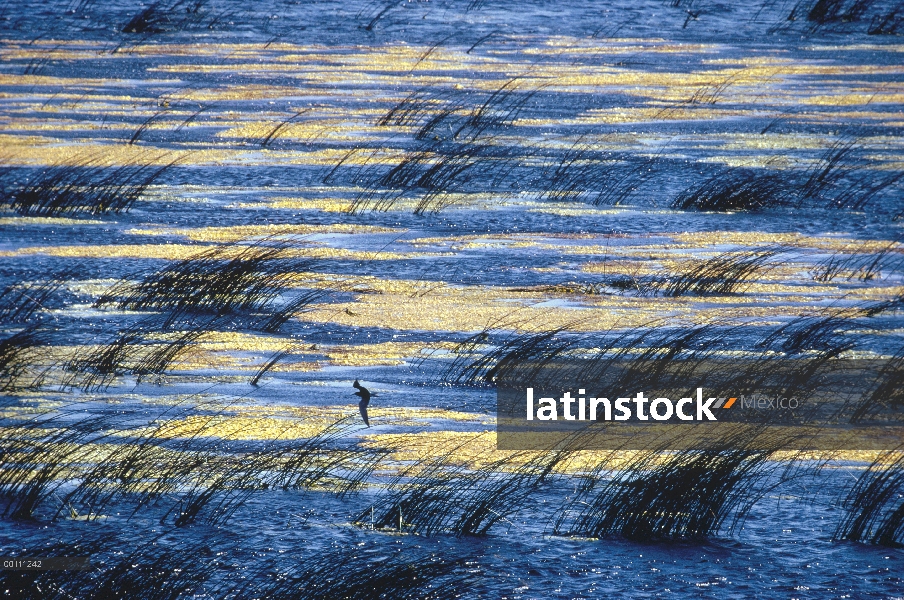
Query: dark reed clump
416, 108
792, 359
36, 66
160, 17
87, 187
156, 571
223, 280
180, 461
656, 357
890, 23
887, 393
316, 463
885, 306
738, 189
616, 283
381, 11
586, 174
37, 459
860, 263
875, 510
688, 494
442, 495
841, 178
225, 481
280, 129
495, 354
456, 151
230, 287
864, 187
575, 174
625, 179
480, 358
643, 352
652, 356
455, 122
824, 332
845, 15
143, 349
825, 12
146, 348
140, 131
272, 361
833, 165
434, 174
817, 346
20, 302
726, 273
20, 353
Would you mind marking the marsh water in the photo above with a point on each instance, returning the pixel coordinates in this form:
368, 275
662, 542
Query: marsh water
439, 169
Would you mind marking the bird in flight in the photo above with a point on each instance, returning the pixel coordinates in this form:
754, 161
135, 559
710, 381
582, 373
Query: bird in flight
365, 400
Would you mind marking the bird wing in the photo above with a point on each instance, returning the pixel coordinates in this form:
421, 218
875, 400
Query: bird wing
362, 406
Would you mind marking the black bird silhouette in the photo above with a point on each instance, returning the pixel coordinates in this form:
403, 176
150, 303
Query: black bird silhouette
691, 16
365, 400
